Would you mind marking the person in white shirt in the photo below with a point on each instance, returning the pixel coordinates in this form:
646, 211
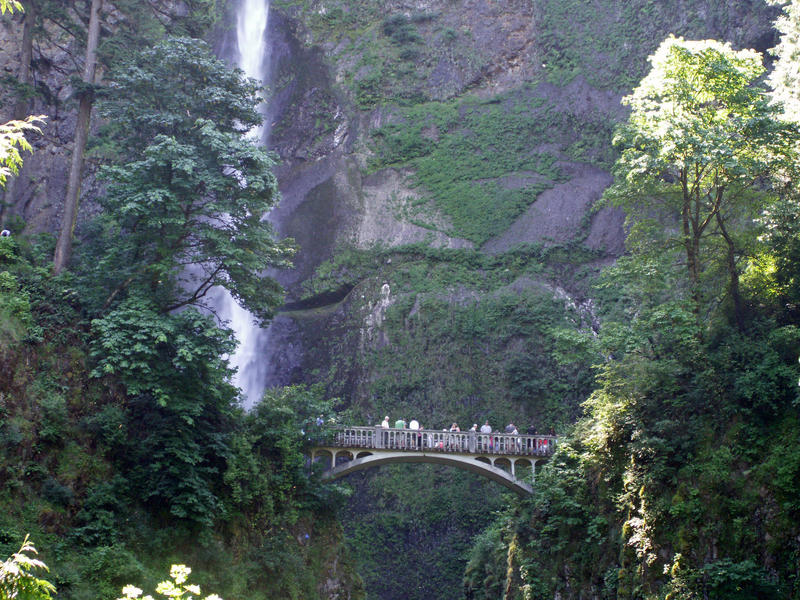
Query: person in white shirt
414, 424
487, 441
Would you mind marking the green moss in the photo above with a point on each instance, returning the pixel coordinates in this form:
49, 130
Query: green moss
480, 163
608, 44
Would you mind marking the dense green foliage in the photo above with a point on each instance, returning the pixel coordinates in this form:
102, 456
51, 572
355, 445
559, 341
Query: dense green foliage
677, 483
784, 76
118, 475
18, 578
123, 443
700, 139
183, 214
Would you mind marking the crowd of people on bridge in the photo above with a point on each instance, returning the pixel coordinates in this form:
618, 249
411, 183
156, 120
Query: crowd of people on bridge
540, 445
485, 428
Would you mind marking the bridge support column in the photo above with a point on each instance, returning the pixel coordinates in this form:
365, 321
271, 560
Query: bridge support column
379, 436
472, 441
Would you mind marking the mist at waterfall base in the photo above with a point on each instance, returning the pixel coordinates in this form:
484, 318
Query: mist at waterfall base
252, 356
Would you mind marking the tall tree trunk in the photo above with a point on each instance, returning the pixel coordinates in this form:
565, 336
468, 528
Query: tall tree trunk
22, 105
733, 285
64, 244
691, 244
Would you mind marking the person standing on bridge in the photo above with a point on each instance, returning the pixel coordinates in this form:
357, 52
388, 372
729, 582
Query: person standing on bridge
400, 439
487, 440
453, 440
530, 443
414, 424
385, 422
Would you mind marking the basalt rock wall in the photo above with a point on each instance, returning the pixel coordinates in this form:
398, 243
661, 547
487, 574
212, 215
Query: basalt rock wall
478, 130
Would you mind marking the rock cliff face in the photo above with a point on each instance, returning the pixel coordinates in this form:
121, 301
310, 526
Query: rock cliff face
474, 126
37, 193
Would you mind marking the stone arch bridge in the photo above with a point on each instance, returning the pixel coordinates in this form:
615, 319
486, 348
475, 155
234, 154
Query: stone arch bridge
508, 459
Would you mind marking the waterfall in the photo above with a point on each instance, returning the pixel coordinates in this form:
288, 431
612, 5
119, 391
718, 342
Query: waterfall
250, 358
251, 40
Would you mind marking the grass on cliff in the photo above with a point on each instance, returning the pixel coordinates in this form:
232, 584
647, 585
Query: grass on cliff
481, 163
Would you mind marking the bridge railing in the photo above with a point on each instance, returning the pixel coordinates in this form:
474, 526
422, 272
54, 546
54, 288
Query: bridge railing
468, 442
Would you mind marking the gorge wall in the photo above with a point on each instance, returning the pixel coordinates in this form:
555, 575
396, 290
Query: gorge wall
456, 152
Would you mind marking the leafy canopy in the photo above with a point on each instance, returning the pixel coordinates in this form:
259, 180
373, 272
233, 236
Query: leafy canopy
785, 76
12, 142
698, 120
696, 155
9, 6
185, 212
17, 579
165, 89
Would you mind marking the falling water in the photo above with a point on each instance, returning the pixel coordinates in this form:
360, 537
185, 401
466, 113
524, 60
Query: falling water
251, 40
249, 360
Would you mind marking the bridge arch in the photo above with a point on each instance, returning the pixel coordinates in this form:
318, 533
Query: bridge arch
344, 462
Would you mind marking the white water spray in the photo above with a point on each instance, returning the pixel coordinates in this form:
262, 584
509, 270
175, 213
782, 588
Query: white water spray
249, 359
251, 39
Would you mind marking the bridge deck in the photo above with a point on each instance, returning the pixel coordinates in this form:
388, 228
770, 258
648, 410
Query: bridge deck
452, 442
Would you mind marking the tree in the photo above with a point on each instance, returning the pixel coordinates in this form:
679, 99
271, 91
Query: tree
128, 25
186, 211
12, 133
64, 243
17, 579
775, 270
183, 212
700, 144
785, 76
9, 5
180, 403
267, 472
